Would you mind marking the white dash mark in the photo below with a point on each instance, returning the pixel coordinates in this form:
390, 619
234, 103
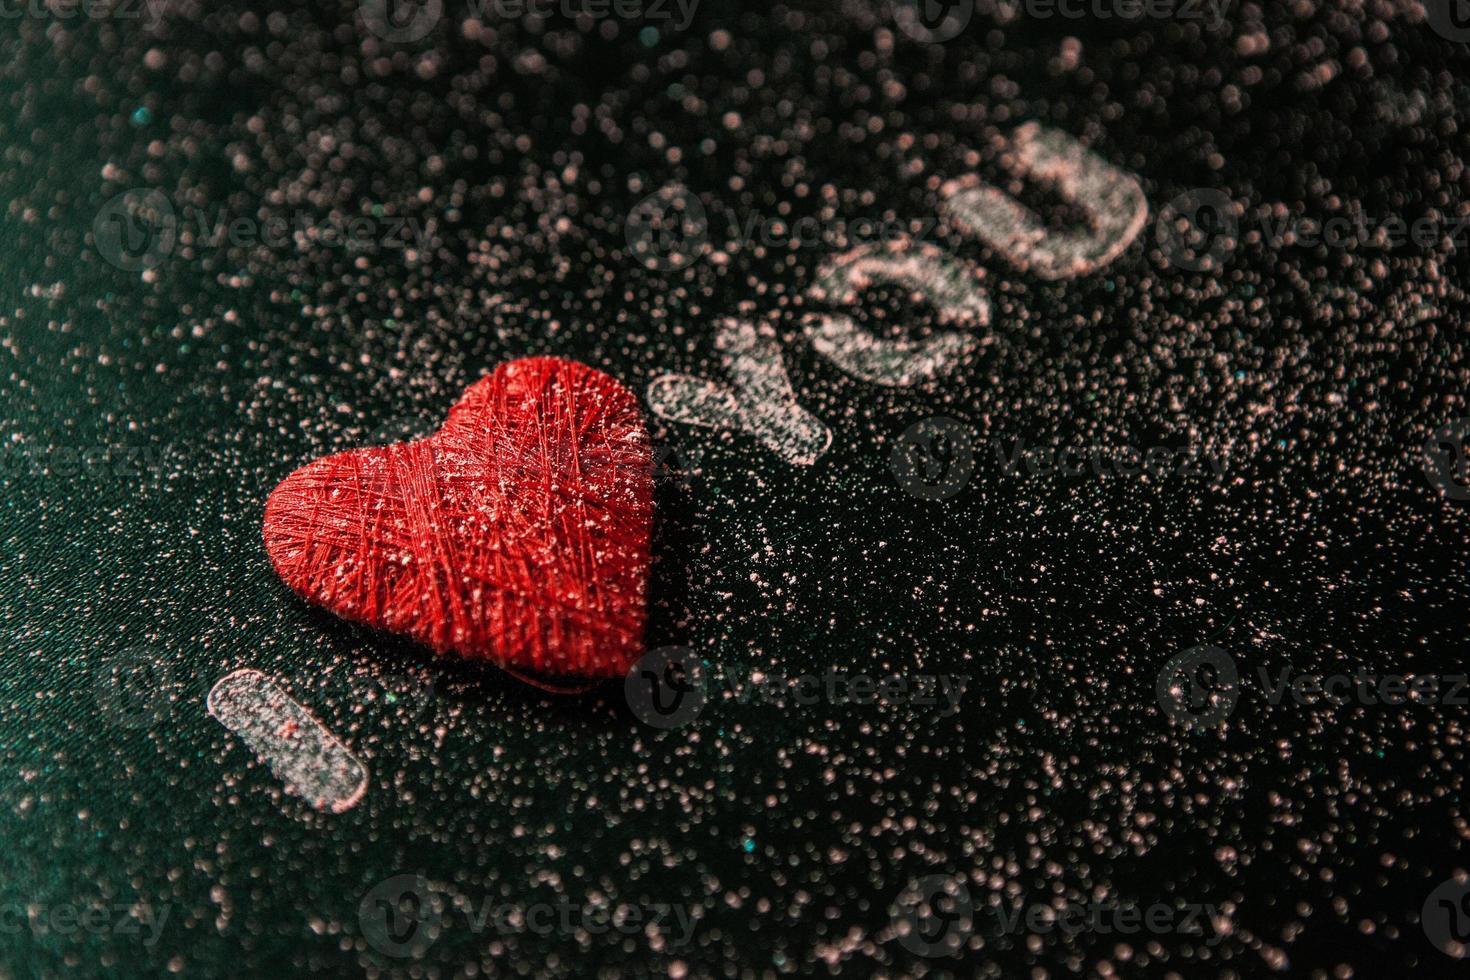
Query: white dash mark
1113, 200
309, 759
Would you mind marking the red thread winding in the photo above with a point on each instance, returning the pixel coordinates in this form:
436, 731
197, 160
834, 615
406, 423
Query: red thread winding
518, 533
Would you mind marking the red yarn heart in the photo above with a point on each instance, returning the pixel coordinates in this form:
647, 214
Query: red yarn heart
518, 533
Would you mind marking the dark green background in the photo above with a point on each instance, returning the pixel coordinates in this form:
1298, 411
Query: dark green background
1319, 372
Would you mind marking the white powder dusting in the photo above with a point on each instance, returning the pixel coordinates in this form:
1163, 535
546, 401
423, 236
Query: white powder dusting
759, 398
952, 286
1114, 202
893, 363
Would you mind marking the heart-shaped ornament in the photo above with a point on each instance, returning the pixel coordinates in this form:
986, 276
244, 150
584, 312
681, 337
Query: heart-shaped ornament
518, 533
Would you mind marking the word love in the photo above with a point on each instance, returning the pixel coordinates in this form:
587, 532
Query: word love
756, 395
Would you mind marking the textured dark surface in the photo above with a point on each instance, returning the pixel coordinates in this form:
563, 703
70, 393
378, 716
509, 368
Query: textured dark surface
1317, 372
